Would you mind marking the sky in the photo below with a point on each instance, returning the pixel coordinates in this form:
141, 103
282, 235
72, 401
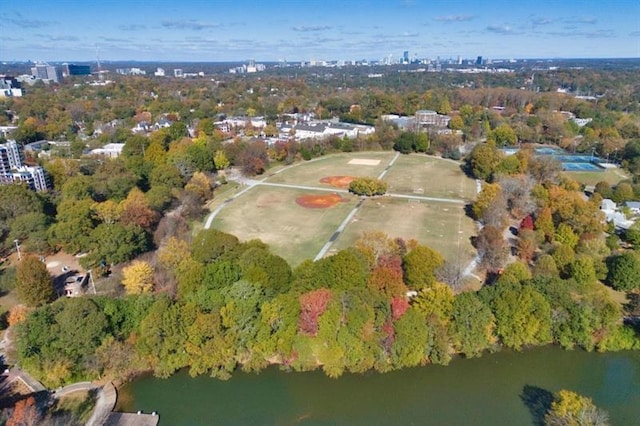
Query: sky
294, 30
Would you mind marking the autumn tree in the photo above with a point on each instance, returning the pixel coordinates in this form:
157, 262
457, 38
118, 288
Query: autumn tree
570, 408
33, 282
136, 210
492, 248
137, 278
25, 413
312, 305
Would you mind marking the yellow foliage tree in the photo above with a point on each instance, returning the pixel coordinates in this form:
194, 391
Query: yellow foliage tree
200, 186
173, 252
137, 278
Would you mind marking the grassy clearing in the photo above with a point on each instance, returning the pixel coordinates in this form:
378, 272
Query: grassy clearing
272, 215
310, 173
429, 177
441, 226
78, 404
612, 176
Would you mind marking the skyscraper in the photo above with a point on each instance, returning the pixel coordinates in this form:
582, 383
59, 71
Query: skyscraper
405, 57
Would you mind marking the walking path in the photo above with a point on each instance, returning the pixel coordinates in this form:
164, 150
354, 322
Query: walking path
104, 405
75, 387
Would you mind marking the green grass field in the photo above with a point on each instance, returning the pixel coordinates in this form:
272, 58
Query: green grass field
442, 226
298, 233
612, 176
430, 177
310, 173
272, 215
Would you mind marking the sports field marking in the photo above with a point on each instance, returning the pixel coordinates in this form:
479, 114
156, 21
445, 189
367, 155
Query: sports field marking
363, 162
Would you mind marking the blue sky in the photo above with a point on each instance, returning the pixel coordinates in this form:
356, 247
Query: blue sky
269, 30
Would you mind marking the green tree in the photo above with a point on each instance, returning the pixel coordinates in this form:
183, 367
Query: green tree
210, 244
420, 265
483, 160
624, 271
33, 282
503, 135
472, 325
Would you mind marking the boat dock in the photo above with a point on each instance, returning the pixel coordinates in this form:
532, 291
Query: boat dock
132, 419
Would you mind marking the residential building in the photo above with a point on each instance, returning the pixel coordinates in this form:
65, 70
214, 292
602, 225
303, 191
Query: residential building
12, 170
429, 118
111, 150
9, 87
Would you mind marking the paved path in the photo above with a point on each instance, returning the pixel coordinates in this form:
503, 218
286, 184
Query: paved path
75, 387
104, 405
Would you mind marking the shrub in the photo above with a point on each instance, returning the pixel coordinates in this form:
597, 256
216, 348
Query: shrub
367, 186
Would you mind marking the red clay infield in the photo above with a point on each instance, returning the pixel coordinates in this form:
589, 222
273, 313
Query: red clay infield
337, 181
319, 201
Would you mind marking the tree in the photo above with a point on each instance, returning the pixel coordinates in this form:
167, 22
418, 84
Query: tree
624, 271
312, 305
221, 161
136, 210
572, 409
472, 325
483, 160
25, 413
492, 248
33, 282
137, 278
200, 186
210, 244
503, 135
420, 266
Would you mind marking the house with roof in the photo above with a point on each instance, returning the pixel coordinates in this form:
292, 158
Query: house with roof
142, 127
110, 150
613, 214
633, 206
162, 123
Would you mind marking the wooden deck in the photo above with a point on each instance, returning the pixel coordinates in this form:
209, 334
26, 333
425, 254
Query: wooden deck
132, 419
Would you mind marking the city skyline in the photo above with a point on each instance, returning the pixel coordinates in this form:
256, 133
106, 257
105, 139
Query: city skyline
294, 30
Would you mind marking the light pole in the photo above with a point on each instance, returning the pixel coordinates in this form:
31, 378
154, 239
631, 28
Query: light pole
18, 248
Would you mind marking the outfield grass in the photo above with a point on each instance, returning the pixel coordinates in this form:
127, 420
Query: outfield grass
441, 226
430, 177
310, 172
271, 214
612, 176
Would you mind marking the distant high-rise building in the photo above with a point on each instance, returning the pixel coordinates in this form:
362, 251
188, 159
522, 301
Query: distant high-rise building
459, 60
177, 72
405, 57
46, 72
479, 60
72, 69
12, 170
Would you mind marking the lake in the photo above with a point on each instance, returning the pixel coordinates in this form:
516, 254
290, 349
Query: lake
490, 390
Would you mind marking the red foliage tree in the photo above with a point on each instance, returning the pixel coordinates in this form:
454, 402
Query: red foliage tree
387, 276
527, 223
312, 305
389, 336
25, 413
399, 306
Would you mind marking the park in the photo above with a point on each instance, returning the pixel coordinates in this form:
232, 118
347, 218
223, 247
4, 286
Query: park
305, 211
